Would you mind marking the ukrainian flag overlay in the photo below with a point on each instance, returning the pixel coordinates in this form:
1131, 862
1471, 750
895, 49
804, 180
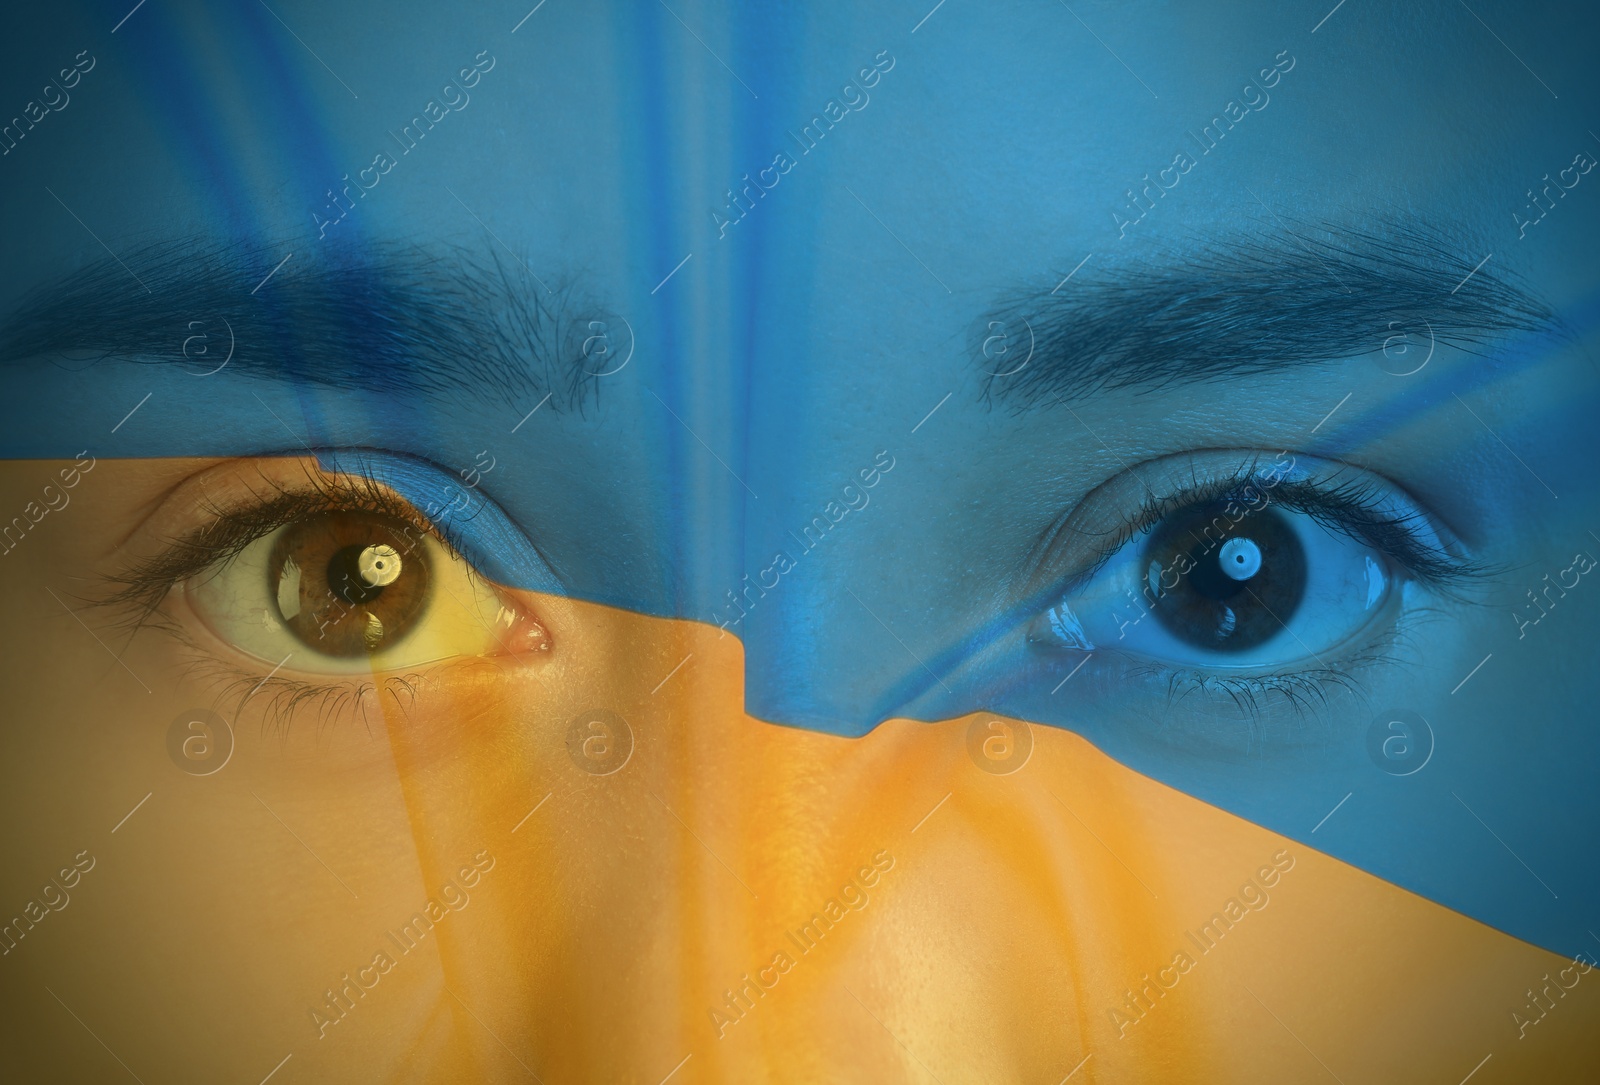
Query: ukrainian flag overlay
663, 542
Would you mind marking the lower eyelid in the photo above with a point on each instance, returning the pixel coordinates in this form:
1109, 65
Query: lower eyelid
1190, 703
1388, 646
279, 703
1207, 714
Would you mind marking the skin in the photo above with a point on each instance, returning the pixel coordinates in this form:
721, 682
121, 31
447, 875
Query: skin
1020, 908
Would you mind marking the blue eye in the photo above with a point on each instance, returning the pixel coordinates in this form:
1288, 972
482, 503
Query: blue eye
1270, 590
1250, 572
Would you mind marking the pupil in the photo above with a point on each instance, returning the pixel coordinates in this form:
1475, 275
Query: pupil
353, 583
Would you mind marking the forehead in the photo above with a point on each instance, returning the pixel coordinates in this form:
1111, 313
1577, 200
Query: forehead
612, 140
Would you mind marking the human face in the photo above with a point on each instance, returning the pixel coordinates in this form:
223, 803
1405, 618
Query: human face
666, 543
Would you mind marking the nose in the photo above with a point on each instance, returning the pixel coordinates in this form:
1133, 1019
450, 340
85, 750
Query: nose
664, 888
673, 879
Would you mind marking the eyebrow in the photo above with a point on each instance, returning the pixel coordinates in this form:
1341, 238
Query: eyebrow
1251, 306
389, 319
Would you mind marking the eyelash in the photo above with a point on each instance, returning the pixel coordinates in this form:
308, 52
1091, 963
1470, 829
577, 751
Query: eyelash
1355, 508
136, 595
140, 591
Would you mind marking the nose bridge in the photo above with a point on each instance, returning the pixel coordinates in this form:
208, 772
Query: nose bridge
751, 393
736, 889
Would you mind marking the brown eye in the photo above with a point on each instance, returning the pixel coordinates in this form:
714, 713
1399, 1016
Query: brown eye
349, 583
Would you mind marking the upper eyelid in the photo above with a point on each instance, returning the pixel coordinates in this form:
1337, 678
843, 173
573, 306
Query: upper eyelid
399, 484
497, 546
141, 586
1045, 580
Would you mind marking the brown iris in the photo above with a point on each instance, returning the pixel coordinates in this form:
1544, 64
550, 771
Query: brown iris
349, 583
